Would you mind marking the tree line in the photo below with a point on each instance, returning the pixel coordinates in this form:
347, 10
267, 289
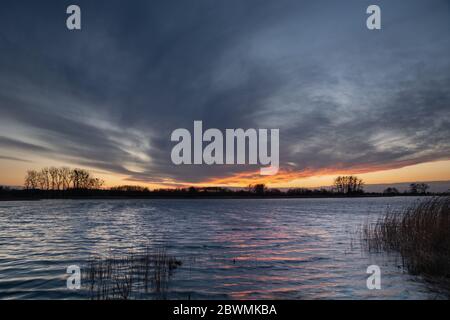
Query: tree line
61, 179
65, 178
414, 188
65, 182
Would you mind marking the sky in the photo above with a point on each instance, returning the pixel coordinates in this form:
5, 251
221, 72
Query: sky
347, 100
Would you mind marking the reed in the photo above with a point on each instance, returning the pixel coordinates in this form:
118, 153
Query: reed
136, 275
420, 233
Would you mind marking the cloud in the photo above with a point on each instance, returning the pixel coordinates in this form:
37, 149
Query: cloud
9, 143
13, 159
109, 97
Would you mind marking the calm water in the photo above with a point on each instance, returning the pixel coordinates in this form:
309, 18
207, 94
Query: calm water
230, 249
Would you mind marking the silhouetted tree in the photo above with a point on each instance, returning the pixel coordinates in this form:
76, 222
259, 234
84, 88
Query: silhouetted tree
65, 175
61, 178
54, 178
418, 188
130, 189
259, 188
274, 191
348, 184
391, 191
298, 191
192, 190
32, 179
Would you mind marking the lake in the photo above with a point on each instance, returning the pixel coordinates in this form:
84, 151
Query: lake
230, 249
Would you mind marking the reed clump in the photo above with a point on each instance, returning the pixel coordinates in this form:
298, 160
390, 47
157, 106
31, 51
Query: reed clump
136, 275
420, 233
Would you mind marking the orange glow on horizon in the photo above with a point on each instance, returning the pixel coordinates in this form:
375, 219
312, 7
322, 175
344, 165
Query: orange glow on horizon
12, 173
308, 178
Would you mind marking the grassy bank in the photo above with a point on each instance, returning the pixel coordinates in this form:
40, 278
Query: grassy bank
420, 233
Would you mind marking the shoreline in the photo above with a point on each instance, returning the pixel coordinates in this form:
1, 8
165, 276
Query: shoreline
212, 197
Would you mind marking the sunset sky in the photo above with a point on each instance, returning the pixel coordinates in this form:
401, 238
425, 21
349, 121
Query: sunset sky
346, 100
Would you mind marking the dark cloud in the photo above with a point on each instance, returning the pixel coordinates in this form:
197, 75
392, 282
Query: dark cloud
13, 159
9, 143
109, 96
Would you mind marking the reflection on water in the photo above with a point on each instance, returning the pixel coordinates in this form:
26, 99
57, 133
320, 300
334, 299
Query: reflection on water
230, 249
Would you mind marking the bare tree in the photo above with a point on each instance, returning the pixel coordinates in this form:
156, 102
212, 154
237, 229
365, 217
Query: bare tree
44, 179
54, 178
348, 184
416, 188
61, 179
259, 188
32, 180
65, 175
391, 191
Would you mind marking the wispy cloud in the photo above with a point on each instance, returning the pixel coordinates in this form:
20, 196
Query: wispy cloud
13, 159
109, 97
9, 143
